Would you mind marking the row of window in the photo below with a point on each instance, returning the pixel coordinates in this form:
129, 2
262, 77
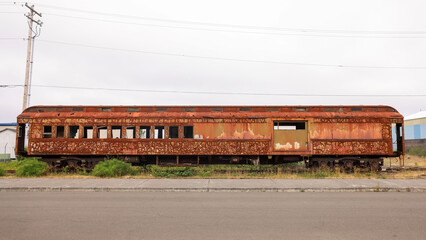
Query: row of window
130, 132
207, 109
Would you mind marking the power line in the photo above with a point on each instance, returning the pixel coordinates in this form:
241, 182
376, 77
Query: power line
219, 93
232, 59
11, 38
228, 30
233, 25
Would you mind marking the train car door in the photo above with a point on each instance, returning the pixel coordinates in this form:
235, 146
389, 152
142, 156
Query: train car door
21, 139
290, 136
397, 138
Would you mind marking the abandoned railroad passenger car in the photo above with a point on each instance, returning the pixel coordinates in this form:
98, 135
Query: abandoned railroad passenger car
180, 135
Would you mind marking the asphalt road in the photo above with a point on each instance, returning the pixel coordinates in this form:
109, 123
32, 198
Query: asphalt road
212, 215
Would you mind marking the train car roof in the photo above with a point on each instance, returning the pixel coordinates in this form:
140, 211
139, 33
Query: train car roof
216, 111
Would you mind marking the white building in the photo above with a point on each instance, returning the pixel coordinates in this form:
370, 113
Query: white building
415, 130
7, 141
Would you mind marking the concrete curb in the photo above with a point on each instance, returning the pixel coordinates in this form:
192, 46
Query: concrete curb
117, 189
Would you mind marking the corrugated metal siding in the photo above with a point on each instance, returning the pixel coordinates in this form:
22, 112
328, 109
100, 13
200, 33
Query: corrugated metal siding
417, 131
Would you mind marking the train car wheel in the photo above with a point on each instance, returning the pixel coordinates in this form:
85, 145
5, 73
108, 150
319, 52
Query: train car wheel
348, 164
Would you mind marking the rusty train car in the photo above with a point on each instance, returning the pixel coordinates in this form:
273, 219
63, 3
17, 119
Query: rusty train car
322, 136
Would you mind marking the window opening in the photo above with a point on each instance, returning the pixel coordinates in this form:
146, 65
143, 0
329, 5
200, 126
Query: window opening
159, 132
133, 109
73, 132
102, 132
116, 131
161, 109
173, 132
106, 109
245, 109
356, 109
130, 132
300, 109
188, 132
217, 109
145, 132
88, 132
77, 109
189, 109
60, 131
47, 132
289, 125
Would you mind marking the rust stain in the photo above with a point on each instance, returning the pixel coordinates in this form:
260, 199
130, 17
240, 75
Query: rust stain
337, 131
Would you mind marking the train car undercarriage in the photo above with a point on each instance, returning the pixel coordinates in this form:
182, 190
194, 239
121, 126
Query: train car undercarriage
373, 163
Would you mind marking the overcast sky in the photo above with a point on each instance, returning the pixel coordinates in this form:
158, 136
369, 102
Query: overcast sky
271, 48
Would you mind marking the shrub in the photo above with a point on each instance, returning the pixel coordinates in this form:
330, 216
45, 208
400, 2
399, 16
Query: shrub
113, 168
2, 172
31, 168
12, 165
167, 172
417, 151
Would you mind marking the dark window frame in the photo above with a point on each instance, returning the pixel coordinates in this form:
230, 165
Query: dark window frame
76, 133
299, 125
161, 132
185, 132
174, 132
63, 131
147, 134
47, 134
98, 131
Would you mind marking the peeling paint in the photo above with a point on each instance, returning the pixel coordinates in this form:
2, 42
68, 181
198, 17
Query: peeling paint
230, 132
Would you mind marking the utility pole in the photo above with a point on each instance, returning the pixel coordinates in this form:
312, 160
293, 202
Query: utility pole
30, 49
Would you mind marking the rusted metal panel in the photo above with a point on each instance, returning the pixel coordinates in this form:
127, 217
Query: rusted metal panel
290, 140
234, 130
348, 147
149, 147
346, 131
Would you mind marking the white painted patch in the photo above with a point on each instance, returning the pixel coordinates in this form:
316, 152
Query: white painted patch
287, 146
296, 145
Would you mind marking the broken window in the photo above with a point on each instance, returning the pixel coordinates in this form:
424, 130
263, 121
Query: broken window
159, 132
60, 131
329, 109
133, 109
173, 132
106, 109
73, 132
300, 109
102, 132
77, 109
289, 125
188, 109
47, 132
116, 131
145, 132
188, 132
130, 132
87, 132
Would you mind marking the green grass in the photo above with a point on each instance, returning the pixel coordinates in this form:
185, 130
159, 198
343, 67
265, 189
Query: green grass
168, 172
417, 151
